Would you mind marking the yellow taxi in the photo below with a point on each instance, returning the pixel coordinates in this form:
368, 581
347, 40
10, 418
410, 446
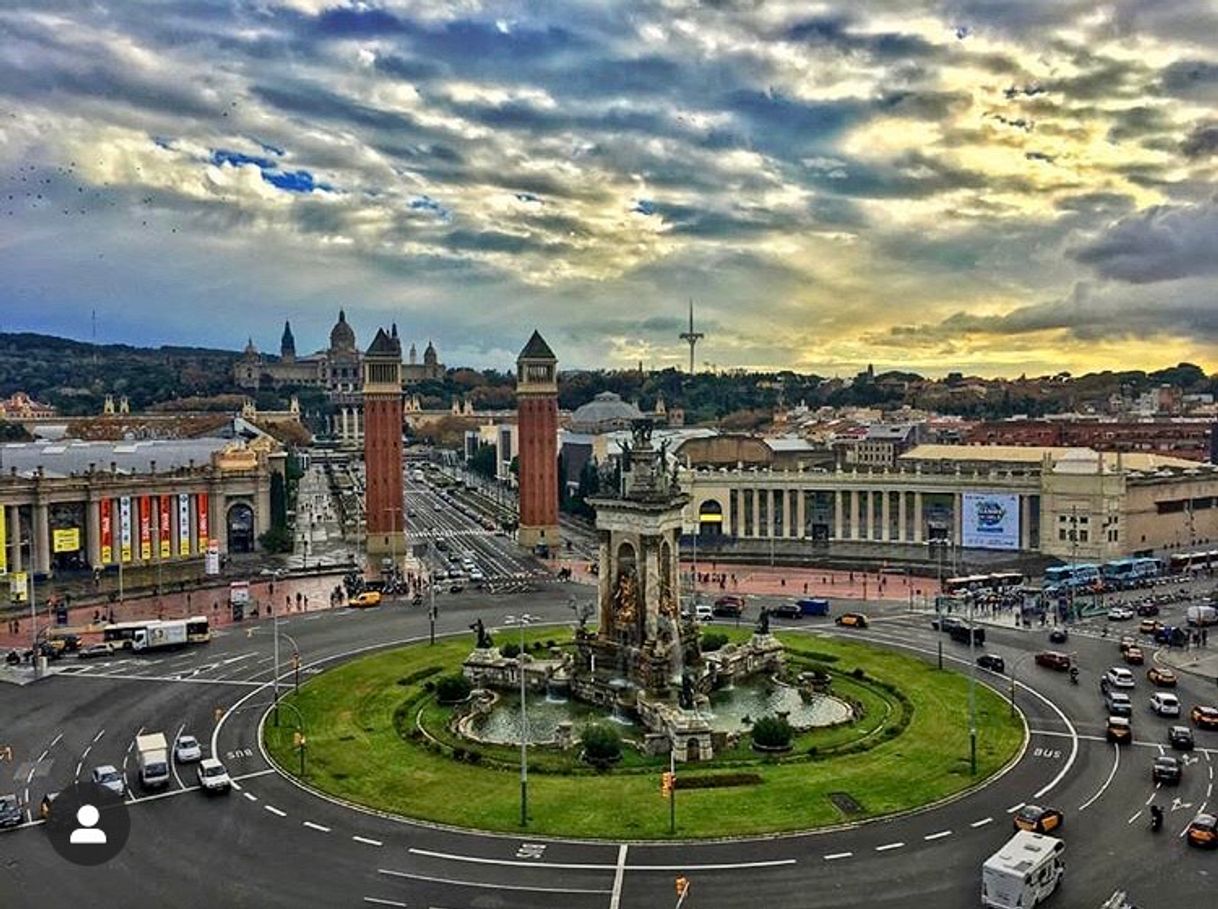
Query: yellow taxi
366, 599
852, 620
1203, 831
1036, 819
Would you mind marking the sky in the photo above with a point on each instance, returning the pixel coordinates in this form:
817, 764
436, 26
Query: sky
975, 185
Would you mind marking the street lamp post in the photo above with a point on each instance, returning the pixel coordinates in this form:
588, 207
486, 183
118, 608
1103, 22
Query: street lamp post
523, 620
972, 685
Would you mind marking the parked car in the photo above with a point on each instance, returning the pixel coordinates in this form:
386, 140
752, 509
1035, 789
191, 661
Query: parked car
187, 749
213, 777
456, 587
1164, 678
1204, 717
1119, 677
992, 662
10, 811
1164, 703
1180, 738
1037, 819
1166, 769
1053, 659
1119, 730
108, 775
852, 620
1203, 831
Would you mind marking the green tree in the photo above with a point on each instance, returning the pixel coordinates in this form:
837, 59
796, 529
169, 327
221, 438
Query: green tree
483, 461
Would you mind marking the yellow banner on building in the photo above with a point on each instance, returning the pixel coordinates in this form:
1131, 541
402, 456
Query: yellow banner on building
66, 540
19, 588
3, 543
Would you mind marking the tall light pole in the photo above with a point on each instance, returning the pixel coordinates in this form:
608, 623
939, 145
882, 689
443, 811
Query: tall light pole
523, 620
972, 685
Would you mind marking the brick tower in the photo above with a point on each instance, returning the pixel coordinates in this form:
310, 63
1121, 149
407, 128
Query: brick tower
383, 445
537, 424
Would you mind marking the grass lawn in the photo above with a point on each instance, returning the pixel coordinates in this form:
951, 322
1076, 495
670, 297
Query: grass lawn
355, 753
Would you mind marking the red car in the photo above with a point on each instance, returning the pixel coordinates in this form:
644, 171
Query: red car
1204, 717
1053, 659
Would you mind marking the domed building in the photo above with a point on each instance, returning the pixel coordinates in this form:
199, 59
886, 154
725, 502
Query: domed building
604, 413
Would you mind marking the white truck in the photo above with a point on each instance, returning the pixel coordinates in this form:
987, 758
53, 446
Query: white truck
157, 634
1202, 615
152, 756
1023, 873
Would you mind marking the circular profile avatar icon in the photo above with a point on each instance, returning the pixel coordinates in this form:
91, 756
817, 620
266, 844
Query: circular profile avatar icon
87, 824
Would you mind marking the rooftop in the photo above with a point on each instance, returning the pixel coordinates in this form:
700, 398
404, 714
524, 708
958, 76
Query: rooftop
1059, 456
68, 457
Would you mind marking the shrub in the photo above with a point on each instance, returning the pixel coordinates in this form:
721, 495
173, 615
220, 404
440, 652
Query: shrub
772, 732
602, 743
511, 651
452, 689
718, 780
420, 675
858, 672
712, 641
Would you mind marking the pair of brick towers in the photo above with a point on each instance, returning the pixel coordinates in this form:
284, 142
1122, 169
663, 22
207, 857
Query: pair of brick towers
537, 425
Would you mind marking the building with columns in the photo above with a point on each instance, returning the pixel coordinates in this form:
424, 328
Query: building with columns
537, 425
93, 505
1014, 500
383, 486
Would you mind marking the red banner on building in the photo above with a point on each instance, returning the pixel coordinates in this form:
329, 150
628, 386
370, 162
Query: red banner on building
107, 533
145, 528
203, 527
165, 538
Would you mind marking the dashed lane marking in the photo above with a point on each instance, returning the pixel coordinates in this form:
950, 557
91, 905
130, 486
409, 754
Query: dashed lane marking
318, 827
366, 841
250, 796
1135, 817
1015, 808
594, 866
615, 898
380, 902
833, 857
273, 810
888, 846
487, 886
937, 836
982, 822
100, 733
170, 678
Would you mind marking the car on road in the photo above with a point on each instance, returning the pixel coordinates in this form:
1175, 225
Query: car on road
946, 623
1120, 614
1053, 659
1164, 703
1164, 678
786, 611
1166, 769
456, 587
213, 777
187, 749
1204, 717
1134, 656
103, 649
852, 620
1058, 636
1126, 641
1203, 831
1149, 626
992, 662
1119, 729
10, 811
1180, 738
366, 599
108, 775
729, 606
1148, 609
1119, 677
1037, 819
1118, 703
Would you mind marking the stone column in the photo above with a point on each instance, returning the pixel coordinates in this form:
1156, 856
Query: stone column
344, 424
93, 533
756, 512
869, 523
651, 586
957, 518
604, 582
800, 515
838, 519
854, 515
1025, 522
13, 532
771, 522
886, 515
902, 517
40, 548
917, 526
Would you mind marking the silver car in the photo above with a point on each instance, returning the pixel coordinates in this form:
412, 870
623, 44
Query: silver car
187, 749
109, 776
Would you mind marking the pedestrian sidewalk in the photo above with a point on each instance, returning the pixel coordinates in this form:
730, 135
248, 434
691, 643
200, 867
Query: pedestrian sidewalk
1203, 662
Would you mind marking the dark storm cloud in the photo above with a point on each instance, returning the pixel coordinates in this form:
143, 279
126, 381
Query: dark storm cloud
1197, 79
1201, 142
1162, 243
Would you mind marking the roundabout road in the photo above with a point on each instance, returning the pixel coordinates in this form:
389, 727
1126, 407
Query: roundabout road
271, 843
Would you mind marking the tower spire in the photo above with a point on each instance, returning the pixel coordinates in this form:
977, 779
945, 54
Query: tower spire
691, 337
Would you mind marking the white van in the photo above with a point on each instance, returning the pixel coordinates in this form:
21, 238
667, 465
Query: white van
1023, 873
704, 612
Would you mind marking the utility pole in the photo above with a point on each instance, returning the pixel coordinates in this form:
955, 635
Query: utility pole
972, 684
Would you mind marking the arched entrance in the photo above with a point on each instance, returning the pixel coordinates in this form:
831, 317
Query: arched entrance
240, 527
710, 518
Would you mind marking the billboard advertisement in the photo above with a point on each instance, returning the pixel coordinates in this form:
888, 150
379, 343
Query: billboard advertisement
107, 532
145, 528
201, 506
165, 538
990, 520
183, 524
124, 527
65, 539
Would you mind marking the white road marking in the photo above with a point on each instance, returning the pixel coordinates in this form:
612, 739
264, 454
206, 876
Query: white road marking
833, 857
42, 757
615, 898
84, 754
1015, 808
162, 678
982, 822
79, 764
318, 827
937, 836
100, 733
1116, 762
250, 796
1099, 738
366, 841
597, 866
173, 756
381, 902
55, 741
1135, 817
273, 810
486, 886
888, 846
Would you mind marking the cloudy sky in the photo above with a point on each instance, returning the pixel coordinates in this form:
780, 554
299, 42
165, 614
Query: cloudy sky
982, 185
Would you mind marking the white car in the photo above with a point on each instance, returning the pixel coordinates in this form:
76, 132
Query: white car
1165, 704
213, 777
476, 575
109, 776
1120, 614
187, 749
1119, 677
704, 612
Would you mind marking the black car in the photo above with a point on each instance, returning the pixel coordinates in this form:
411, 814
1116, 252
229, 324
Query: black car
1180, 738
786, 611
991, 662
1166, 769
10, 811
946, 623
960, 634
1147, 609
1058, 636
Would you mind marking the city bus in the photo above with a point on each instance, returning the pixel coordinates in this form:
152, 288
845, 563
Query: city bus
1075, 576
198, 630
124, 634
1000, 580
1182, 562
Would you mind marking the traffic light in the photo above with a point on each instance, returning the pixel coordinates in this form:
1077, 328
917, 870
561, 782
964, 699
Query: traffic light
682, 885
668, 782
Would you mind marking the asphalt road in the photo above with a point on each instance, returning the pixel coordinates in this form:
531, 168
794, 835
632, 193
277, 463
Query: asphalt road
269, 843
